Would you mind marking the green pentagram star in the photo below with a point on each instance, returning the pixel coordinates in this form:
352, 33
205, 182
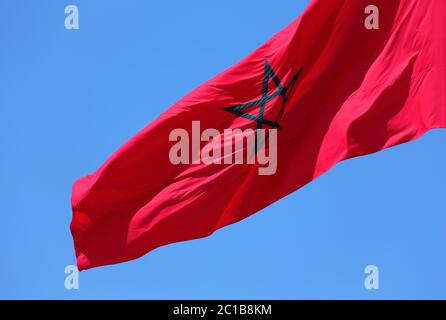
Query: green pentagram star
281, 91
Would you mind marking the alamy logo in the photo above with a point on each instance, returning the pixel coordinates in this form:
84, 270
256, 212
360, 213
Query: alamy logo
72, 278
72, 17
234, 145
371, 281
372, 20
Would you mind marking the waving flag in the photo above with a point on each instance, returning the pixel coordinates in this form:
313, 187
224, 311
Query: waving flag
331, 86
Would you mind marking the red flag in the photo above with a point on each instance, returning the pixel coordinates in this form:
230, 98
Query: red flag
341, 81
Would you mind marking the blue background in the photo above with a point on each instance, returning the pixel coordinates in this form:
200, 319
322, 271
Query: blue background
68, 99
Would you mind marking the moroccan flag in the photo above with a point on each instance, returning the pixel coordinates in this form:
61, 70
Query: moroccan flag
343, 80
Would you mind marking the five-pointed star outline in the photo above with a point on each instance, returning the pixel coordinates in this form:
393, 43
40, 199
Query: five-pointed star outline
281, 91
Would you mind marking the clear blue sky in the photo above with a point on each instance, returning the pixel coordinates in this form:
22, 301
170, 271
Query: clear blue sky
68, 99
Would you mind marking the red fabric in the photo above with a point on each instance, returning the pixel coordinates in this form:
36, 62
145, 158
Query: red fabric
360, 91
